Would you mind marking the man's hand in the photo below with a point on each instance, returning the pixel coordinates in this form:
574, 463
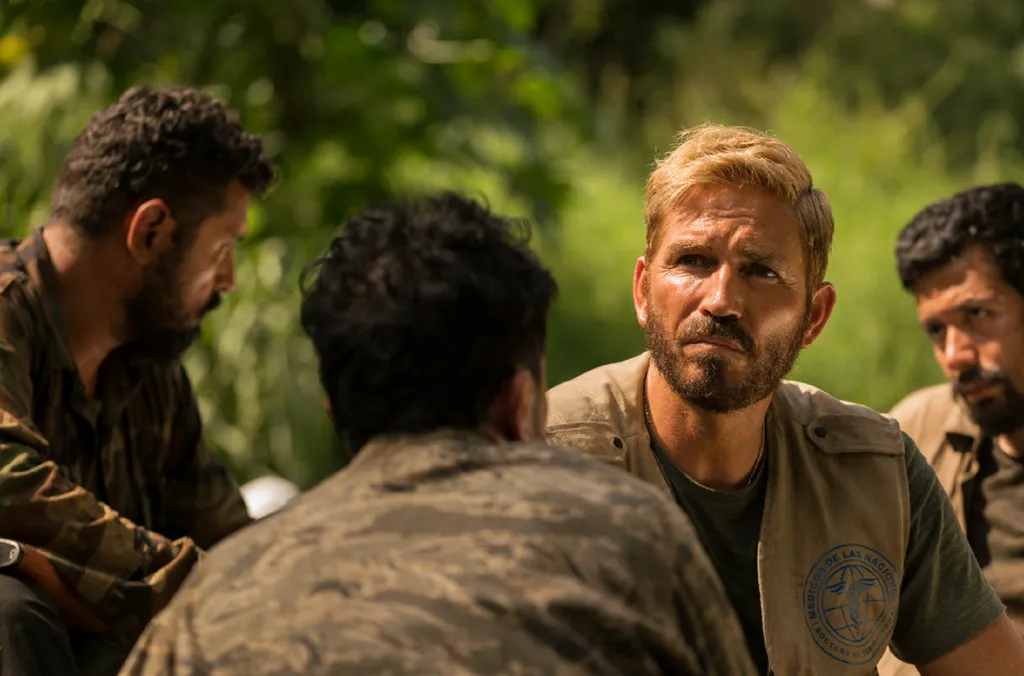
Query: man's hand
32, 564
997, 650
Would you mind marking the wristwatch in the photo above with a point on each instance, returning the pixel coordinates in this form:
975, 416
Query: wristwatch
11, 553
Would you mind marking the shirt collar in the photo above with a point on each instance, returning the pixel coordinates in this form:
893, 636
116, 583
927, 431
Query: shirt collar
962, 433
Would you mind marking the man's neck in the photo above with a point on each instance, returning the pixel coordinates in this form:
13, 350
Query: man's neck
88, 302
717, 450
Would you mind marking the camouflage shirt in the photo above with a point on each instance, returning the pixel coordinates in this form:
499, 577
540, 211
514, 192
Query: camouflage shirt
444, 554
117, 490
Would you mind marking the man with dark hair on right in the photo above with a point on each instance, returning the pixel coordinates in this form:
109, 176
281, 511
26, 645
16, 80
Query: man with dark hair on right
962, 258
455, 542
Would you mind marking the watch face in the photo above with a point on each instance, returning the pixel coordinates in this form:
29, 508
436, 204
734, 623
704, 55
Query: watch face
10, 553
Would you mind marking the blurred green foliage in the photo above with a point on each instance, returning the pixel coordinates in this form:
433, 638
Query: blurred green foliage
551, 110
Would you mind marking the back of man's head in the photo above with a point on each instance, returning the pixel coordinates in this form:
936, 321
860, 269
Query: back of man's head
177, 144
429, 314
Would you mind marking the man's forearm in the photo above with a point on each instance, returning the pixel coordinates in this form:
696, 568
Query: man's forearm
123, 573
997, 650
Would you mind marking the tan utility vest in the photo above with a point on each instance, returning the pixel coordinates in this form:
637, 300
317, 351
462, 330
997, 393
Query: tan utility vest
836, 518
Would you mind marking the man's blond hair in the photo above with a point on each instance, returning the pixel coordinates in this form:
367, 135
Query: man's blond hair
720, 155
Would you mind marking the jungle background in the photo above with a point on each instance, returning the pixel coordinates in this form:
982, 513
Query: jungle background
549, 109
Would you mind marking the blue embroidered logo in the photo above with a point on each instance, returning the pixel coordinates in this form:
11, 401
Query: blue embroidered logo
850, 603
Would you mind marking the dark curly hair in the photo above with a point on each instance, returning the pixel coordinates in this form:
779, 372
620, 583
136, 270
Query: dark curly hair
991, 216
420, 312
176, 143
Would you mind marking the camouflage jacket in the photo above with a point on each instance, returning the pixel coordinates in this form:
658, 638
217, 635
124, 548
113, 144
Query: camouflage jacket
117, 490
445, 554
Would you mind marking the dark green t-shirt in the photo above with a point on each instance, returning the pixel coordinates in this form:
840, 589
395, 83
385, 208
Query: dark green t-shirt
933, 619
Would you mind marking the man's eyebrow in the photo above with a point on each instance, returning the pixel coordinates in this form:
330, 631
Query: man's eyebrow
757, 256
972, 302
967, 303
679, 247
966, 299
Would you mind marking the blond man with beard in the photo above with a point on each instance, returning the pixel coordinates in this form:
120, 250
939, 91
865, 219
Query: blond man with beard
831, 533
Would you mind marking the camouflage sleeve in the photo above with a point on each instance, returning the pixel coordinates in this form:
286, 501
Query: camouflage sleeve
119, 570
707, 621
203, 498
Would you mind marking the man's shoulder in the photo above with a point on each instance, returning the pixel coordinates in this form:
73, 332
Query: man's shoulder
933, 404
808, 402
15, 271
597, 397
18, 300
563, 480
10, 262
548, 459
511, 473
929, 414
502, 485
24, 303
11, 280
847, 425
539, 471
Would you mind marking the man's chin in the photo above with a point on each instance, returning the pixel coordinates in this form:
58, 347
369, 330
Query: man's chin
725, 373
995, 416
723, 387
718, 393
996, 423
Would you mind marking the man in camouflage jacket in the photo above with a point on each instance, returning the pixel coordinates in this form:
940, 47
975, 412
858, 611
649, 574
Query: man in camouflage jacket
105, 483
455, 542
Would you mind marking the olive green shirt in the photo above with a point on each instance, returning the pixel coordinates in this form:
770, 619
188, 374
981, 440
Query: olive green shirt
118, 490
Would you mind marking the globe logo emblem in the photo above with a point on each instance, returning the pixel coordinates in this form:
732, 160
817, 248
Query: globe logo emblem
851, 598
853, 602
